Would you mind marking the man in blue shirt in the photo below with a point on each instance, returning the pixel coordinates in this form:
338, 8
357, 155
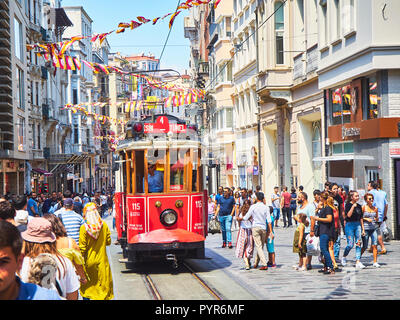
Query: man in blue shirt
11, 287
225, 210
380, 201
155, 179
220, 194
32, 205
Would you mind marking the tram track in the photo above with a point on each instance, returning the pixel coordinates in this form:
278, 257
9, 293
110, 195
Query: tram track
154, 290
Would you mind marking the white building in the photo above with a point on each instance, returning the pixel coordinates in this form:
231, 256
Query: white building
80, 84
245, 95
359, 71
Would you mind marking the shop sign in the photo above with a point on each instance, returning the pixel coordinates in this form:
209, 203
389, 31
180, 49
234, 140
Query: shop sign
350, 132
394, 151
255, 170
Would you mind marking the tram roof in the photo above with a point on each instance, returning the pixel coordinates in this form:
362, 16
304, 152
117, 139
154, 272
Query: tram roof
131, 144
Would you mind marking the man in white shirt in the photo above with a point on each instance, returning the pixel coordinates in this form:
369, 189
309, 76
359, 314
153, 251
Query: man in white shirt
261, 216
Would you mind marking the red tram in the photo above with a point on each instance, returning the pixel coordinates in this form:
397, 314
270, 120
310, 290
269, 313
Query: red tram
160, 201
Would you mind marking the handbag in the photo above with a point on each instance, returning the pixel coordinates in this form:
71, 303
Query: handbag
317, 231
214, 226
313, 248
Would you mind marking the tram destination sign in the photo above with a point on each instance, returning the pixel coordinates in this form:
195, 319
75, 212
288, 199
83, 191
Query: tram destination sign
162, 125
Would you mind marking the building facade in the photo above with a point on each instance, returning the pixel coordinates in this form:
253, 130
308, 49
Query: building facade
31, 95
220, 88
79, 153
359, 71
244, 69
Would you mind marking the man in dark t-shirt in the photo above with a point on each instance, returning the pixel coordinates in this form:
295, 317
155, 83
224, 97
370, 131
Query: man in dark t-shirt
225, 210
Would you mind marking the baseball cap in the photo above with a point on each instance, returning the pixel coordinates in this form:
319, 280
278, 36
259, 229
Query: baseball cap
68, 202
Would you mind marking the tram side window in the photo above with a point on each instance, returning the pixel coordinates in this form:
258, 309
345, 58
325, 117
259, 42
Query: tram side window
139, 158
177, 169
124, 175
194, 170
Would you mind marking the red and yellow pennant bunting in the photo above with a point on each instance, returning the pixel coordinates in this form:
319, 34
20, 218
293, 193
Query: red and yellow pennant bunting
64, 46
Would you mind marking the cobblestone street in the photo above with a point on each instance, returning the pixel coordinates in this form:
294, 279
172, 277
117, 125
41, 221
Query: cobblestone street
285, 283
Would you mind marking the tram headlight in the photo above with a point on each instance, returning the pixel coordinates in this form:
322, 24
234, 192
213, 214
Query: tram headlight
137, 129
168, 217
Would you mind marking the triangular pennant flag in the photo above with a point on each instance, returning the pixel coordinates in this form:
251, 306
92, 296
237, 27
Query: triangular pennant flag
171, 21
143, 19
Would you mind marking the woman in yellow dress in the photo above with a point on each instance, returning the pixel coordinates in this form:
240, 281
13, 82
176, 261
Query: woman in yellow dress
94, 237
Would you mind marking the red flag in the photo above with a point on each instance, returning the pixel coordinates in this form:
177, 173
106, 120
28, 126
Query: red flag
216, 3
63, 63
77, 63
70, 63
124, 25
143, 19
134, 24
56, 62
171, 21
155, 20
65, 45
168, 14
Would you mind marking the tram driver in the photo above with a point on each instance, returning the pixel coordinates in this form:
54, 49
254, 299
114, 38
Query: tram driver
155, 179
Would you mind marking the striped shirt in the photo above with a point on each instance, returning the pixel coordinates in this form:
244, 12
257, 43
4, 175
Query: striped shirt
72, 223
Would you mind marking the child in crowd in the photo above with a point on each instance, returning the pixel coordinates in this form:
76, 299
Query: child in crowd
299, 242
270, 242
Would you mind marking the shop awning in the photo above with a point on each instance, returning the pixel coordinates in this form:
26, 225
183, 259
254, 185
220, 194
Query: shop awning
41, 171
60, 168
344, 157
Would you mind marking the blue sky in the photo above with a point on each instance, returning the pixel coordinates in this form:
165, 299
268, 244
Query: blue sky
106, 14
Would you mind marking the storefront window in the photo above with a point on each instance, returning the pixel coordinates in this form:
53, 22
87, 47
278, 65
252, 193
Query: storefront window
373, 99
340, 148
341, 105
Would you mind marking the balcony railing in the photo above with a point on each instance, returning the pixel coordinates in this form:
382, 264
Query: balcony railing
312, 59
203, 68
298, 70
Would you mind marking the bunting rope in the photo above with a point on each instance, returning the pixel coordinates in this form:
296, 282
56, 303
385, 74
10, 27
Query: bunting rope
74, 63
122, 26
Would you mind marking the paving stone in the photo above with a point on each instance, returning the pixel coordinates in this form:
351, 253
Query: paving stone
285, 283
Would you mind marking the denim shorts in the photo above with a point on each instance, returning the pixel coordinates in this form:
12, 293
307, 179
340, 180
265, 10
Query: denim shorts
373, 234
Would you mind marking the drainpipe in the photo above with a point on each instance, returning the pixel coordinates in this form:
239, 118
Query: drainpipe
260, 170
326, 145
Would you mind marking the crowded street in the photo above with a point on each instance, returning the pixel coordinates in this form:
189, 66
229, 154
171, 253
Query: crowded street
220, 154
227, 275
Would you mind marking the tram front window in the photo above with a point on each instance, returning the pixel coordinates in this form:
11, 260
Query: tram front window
155, 179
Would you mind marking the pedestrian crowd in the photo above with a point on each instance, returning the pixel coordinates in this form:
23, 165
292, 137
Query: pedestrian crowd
321, 223
41, 203
54, 247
